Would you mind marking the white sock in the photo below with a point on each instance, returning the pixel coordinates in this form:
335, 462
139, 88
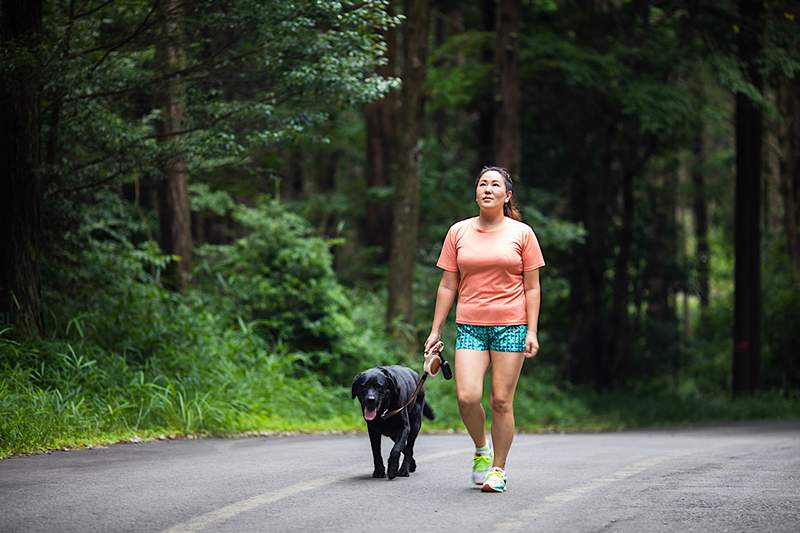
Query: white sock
485, 450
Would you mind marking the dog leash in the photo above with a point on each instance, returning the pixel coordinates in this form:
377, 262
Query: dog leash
388, 414
446, 372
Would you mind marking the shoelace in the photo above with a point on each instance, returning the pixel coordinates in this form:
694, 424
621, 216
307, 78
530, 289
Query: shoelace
481, 462
496, 476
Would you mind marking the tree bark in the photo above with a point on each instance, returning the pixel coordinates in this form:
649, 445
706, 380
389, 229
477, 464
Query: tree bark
747, 231
789, 141
21, 192
587, 360
661, 249
380, 117
700, 211
486, 153
618, 327
173, 208
405, 172
507, 92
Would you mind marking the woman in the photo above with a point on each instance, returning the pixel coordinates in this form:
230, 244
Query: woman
492, 262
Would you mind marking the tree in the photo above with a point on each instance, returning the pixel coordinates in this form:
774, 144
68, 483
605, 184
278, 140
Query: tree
21, 192
486, 106
405, 170
507, 87
700, 215
789, 139
380, 118
747, 232
173, 208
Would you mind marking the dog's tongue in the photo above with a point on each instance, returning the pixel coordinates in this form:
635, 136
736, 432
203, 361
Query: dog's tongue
369, 414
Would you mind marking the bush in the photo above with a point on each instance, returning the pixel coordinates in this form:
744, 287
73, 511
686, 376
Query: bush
279, 279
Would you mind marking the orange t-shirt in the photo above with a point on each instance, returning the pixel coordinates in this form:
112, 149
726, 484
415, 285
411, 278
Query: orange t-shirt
490, 262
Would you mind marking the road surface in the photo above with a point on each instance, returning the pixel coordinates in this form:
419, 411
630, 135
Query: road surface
738, 477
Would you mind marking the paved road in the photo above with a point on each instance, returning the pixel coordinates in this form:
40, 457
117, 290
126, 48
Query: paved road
743, 477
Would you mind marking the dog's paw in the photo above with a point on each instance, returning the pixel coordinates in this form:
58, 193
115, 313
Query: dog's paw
412, 466
392, 469
403, 472
379, 474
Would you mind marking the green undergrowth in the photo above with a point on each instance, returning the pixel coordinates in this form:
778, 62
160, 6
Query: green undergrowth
72, 397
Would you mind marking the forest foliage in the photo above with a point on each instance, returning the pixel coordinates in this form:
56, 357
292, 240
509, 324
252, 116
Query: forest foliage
261, 113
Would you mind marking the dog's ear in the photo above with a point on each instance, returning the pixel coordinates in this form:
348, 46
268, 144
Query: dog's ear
391, 380
358, 383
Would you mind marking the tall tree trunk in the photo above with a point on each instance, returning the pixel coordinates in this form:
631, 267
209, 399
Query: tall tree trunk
700, 211
661, 248
173, 207
486, 153
618, 327
21, 192
405, 171
747, 231
789, 140
380, 117
507, 92
587, 360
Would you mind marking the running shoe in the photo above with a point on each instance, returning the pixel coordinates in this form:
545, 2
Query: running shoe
495, 480
481, 464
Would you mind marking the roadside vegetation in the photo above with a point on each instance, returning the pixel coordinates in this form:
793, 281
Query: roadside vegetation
214, 214
252, 349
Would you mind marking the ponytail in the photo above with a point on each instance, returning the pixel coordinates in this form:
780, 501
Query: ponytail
510, 208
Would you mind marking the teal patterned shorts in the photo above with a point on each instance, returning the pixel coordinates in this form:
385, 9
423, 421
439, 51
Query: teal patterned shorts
495, 338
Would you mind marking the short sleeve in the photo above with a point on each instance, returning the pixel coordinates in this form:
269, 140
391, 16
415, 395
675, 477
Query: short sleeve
532, 257
448, 256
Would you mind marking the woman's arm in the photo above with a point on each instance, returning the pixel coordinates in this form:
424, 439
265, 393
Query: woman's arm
533, 299
445, 294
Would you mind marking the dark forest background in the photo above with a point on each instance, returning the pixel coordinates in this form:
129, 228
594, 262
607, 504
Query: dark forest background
214, 214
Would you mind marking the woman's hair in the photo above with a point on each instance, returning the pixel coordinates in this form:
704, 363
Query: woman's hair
510, 208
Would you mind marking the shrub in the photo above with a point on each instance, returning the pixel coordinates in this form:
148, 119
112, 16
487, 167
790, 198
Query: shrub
279, 279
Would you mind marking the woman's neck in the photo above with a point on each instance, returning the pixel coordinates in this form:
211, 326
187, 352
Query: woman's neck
490, 219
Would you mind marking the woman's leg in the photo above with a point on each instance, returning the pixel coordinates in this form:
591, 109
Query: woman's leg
471, 367
506, 367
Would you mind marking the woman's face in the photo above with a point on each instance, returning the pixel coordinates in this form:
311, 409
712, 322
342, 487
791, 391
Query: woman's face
491, 191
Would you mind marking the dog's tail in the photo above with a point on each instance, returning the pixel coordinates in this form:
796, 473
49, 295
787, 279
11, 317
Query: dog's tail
427, 412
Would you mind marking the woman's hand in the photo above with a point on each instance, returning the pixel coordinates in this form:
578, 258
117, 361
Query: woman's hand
434, 342
531, 344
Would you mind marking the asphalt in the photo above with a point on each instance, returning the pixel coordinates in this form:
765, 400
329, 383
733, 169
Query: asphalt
736, 477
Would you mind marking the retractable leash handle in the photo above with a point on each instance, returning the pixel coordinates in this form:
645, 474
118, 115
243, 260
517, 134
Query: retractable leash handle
434, 360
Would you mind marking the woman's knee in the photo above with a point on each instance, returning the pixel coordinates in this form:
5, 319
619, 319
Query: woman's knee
467, 399
502, 404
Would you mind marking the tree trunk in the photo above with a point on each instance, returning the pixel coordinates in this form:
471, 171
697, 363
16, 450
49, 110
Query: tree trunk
405, 172
618, 327
587, 360
700, 211
661, 249
380, 117
789, 141
173, 207
507, 92
486, 153
747, 231
21, 193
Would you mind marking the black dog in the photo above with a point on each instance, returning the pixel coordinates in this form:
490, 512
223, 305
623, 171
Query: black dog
384, 389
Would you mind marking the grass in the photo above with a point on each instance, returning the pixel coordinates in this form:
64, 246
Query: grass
36, 418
